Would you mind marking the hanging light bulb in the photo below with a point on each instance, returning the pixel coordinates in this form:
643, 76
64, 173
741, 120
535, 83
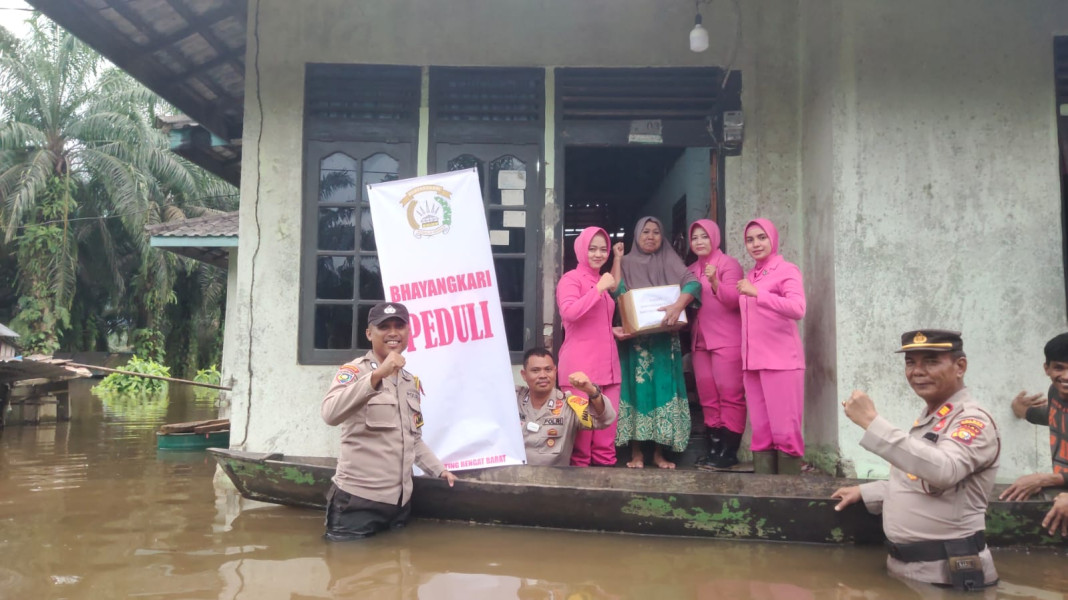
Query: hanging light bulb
698, 35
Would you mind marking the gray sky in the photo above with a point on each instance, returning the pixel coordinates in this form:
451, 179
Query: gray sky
13, 20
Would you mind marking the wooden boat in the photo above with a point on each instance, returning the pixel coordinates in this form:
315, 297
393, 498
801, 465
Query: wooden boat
658, 502
194, 435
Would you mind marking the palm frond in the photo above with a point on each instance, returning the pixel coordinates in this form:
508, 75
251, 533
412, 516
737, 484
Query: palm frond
20, 186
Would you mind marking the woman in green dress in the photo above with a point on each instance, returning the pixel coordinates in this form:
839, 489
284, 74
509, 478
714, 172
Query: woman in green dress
653, 404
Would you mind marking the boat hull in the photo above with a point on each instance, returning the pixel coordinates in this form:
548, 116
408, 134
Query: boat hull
192, 441
677, 503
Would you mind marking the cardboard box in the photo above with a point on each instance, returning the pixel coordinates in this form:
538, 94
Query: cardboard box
638, 309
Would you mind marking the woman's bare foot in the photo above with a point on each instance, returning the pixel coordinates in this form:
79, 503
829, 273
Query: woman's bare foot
663, 463
637, 456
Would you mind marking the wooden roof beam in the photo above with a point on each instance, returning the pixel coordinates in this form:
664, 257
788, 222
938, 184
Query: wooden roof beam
126, 55
195, 25
123, 8
221, 48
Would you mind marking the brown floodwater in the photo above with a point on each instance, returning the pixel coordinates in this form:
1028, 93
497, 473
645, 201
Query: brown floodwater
91, 510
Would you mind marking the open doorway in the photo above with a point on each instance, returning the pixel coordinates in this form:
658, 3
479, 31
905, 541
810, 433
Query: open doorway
612, 187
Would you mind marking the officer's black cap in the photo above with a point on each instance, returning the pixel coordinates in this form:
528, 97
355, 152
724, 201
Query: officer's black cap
931, 340
387, 310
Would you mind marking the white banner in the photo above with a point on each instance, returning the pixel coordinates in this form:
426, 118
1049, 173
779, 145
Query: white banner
434, 250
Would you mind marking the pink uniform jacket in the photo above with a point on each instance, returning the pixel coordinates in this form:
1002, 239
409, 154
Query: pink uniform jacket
586, 315
718, 319
770, 337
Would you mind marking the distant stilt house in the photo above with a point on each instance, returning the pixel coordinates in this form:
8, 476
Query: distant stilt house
8, 347
908, 150
210, 239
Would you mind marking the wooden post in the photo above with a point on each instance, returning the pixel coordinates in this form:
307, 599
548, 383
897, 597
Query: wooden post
146, 376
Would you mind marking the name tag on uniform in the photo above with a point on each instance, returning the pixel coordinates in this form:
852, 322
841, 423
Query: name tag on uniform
533, 427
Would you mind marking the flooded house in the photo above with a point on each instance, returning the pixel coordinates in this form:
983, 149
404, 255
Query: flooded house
8, 343
909, 151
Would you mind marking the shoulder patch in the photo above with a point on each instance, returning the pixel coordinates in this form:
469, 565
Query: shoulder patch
964, 435
346, 374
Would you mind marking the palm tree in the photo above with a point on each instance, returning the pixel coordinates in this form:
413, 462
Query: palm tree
82, 171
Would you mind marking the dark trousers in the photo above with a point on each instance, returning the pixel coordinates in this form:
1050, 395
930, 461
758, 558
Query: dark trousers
350, 517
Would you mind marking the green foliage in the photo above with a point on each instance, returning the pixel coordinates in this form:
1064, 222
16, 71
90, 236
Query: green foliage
83, 170
149, 343
46, 265
118, 383
210, 375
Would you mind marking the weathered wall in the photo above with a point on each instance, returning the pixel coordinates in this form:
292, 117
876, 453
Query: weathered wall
946, 202
765, 180
276, 395
819, 45
905, 149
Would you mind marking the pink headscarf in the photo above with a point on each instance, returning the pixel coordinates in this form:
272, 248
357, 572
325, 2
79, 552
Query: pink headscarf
714, 239
582, 252
773, 235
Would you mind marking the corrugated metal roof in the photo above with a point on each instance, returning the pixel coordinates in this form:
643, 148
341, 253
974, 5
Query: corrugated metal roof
221, 225
7, 333
39, 368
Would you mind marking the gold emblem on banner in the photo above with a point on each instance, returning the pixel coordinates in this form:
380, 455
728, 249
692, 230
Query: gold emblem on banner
429, 211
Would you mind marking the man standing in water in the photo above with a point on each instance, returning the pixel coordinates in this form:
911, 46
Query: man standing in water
1051, 411
377, 404
943, 468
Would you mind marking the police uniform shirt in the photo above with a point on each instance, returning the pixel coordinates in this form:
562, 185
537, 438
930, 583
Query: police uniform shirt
381, 432
942, 474
549, 431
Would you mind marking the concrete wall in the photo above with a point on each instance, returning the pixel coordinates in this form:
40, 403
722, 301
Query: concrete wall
906, 150
276, 400
819, 45
946, 201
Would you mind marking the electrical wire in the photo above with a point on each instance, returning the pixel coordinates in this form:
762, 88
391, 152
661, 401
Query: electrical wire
115, 216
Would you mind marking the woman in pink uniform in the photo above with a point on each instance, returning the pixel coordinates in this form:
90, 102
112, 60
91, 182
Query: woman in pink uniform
717, 334
586, 309
773, 361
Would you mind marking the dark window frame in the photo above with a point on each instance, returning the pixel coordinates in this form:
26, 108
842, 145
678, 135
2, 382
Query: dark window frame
522, 137
612, 130
358, 137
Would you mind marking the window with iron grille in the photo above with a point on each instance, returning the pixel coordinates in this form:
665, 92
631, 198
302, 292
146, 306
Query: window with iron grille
492, 120
361, 124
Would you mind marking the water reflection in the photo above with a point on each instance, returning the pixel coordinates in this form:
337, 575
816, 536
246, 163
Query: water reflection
90, 509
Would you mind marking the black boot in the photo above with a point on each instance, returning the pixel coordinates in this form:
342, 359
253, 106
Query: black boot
728, 454
714, 443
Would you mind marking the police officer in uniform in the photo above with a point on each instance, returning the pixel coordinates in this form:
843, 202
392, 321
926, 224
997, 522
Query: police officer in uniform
943, 469
377, 404
550, 418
